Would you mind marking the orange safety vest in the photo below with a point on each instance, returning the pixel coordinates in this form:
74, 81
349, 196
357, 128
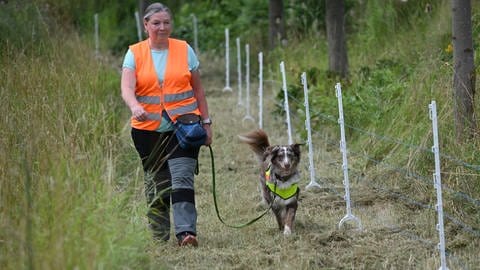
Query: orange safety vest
175, 95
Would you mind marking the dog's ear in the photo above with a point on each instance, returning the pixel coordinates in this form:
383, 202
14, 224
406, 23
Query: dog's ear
274, 150
270, 152
296, 148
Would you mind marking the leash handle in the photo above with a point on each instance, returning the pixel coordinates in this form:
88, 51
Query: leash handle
236, 226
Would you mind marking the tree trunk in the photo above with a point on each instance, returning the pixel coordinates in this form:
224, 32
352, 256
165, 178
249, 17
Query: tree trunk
276, 24
337, 48
464, 70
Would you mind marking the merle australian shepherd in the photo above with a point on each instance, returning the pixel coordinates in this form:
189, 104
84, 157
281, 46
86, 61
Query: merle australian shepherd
279, 176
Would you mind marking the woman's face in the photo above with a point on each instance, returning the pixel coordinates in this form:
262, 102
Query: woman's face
159, 26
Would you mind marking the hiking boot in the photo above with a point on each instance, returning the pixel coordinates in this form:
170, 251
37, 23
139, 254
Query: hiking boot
188, 239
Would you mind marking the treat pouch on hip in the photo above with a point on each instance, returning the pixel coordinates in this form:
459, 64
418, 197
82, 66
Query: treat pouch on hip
189, 131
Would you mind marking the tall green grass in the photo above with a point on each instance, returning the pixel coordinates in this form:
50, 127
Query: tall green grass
64, 160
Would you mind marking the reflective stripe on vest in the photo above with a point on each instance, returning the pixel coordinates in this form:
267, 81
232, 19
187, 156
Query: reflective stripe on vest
154, 117
178, 97
148, 99
184, 110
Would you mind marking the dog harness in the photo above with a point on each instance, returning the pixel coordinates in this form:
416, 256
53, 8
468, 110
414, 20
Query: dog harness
284, 193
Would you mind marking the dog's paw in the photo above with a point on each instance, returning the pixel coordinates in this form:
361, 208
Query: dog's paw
287, 231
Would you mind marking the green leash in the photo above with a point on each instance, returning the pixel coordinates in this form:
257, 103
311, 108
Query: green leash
237, 226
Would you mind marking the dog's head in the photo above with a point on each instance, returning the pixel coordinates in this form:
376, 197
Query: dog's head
284, 158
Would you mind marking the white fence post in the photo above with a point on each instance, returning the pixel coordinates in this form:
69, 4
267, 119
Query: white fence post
227, 62
97, 39
239, 69
437, 181
247, 83
139, 26
260, 90
287, 109
195, 32
343, 149
312, 183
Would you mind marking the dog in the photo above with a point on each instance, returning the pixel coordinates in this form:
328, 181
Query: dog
279, 176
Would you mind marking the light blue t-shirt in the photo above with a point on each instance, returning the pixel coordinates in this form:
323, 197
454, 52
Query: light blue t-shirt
160, 61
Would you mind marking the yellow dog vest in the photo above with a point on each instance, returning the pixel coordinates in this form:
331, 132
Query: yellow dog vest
284, 193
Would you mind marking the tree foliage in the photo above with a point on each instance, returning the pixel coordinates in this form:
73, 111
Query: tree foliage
247, 19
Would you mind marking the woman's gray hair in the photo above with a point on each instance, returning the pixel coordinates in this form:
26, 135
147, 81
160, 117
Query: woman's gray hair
154, 8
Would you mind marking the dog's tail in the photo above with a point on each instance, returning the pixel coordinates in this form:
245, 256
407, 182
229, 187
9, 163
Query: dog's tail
257, 140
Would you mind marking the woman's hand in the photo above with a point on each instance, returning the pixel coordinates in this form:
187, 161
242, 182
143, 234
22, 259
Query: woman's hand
139, 113
208, 129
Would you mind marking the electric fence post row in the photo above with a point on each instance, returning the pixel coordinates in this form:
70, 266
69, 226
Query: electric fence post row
343, 144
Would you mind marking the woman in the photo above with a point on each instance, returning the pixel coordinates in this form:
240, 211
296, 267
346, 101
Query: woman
160, 82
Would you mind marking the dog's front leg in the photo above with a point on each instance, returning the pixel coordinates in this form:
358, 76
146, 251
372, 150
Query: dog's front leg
289, 219
279, 213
